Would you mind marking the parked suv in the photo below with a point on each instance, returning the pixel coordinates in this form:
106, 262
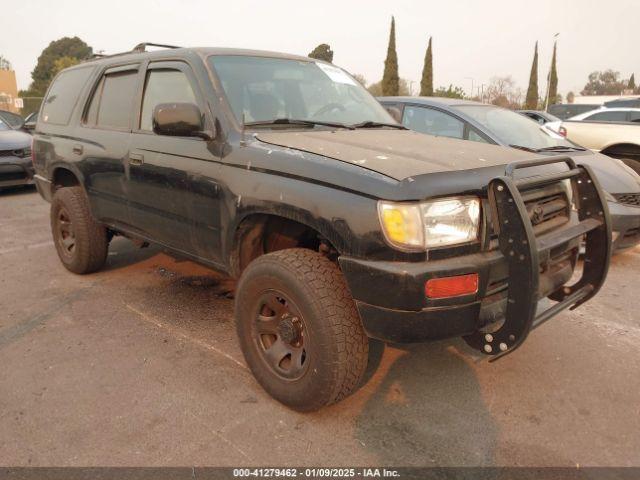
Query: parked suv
339, 223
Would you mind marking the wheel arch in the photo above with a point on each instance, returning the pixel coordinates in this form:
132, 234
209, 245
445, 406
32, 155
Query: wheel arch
260, 231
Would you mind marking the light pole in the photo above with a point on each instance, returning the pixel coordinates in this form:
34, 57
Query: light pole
470, 78
546, 97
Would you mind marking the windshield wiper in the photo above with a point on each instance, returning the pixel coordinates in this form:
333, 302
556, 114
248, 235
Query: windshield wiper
372, 124
294, 121
561, 148
521, 147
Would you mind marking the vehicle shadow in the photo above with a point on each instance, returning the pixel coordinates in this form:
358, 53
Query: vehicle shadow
124, 253
427, 409
17, 191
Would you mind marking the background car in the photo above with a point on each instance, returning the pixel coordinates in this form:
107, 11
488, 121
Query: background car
539, 116
605, 114
567, 110
15, 157
14, 120
481, 122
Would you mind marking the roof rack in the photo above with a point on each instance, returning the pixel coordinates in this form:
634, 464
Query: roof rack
142, 47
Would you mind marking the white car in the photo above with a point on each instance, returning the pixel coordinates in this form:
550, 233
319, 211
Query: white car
602, 114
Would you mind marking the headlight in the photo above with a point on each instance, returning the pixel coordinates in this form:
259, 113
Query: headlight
437, 223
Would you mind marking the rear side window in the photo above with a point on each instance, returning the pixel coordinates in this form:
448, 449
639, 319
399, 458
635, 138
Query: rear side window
634, 117
164, 86
608, 117
432, 122
63, 94
113, 100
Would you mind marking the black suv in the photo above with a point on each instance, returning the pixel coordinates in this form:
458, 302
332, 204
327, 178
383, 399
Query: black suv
339, 223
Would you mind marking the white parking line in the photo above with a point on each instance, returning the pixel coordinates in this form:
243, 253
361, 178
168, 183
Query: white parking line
178, 333
26, 247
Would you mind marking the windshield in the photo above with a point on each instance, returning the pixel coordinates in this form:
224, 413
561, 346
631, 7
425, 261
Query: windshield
512, 128
262, 89
4, 126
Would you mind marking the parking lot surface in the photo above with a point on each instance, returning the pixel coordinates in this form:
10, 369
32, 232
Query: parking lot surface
138, 365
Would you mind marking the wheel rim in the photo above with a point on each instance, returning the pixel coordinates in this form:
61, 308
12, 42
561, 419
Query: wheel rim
66, 234
281, 336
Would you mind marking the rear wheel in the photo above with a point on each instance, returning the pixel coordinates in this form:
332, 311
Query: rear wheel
299, 329
80, 241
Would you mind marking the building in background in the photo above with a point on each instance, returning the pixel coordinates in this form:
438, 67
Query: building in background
9, 91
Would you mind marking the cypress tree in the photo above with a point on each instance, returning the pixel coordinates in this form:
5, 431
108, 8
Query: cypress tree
322, 52
632, 83
531, 102
390, 78
426, 84
553, 79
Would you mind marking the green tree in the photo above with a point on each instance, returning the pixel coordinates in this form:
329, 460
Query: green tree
45, 68
322, 52
62, 63
531, 100
451, 92
604, 83
390, 78
632, 83
375, 89
426, 84
553, 79
4, 63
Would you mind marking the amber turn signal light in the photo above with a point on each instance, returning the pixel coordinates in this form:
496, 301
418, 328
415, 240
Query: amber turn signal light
452, 286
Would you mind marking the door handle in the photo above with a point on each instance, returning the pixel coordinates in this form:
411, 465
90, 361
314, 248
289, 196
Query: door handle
136, 158
77, 149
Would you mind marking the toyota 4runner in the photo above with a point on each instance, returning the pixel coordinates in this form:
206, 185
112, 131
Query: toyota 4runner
340, 224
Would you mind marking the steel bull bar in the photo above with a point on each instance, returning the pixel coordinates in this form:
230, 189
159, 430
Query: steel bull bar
524, 252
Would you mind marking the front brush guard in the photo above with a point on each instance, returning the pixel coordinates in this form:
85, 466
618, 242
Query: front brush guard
524, 252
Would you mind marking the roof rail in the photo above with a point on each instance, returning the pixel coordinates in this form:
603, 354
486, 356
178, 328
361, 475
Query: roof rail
142, 47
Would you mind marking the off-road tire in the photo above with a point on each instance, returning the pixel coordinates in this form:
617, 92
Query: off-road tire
337, 344
91, 243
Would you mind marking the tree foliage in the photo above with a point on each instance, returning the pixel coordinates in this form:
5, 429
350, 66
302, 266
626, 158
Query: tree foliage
632, 82
4, 63
502, 91
553, 79
531, 102
66, 47
390, 78
322, 52
426, 84
404, 89
604, 83
451, 92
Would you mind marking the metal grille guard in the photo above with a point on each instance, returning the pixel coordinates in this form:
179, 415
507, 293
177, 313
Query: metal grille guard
524, 252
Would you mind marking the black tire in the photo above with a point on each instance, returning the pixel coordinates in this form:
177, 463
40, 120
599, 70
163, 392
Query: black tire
80, 241
328, 333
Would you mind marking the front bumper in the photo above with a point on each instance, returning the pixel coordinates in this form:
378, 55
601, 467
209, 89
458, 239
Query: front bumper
391, 301
625, 226
525, 268
15, 171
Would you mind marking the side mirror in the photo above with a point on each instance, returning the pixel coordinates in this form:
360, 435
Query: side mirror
179, 120
29, 126
395, 113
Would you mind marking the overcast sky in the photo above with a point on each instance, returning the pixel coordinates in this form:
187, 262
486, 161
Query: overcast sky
472, 38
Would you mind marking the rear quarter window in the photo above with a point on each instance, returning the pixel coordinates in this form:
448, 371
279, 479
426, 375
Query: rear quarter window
63, 96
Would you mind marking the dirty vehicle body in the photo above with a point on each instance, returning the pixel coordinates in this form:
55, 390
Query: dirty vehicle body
16, 167
339, 223
481, 122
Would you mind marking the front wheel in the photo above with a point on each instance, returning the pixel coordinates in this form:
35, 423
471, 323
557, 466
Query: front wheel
299, 329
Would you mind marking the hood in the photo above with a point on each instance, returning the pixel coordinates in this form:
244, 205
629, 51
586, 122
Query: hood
398, 154
14, 139
614, 176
